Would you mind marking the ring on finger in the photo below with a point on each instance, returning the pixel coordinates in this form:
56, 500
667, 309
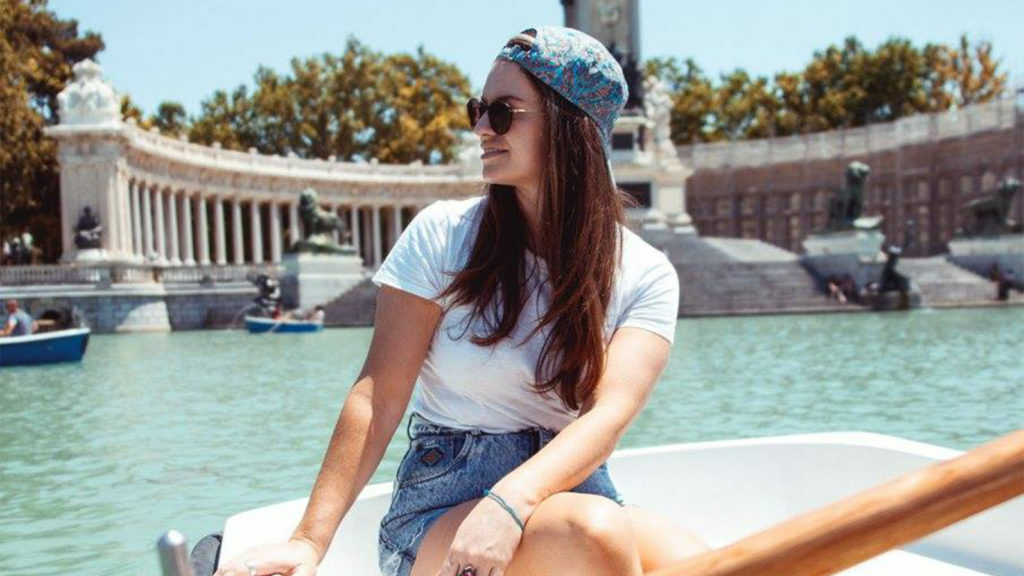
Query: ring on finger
467, 571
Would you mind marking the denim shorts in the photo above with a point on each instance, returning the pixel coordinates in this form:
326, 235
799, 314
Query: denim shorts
445, 467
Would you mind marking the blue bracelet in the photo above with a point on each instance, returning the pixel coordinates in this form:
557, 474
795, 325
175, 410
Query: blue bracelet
498, 499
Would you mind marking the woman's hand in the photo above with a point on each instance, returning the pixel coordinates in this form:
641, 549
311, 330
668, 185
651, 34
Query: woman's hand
292, 558
485, 540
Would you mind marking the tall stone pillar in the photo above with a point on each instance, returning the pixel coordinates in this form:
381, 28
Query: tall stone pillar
378, 256
275, 232
334, 233
158, 222
295, 234
219, 232
202, 230
147, 221
188, 256
172, 228
93, 169
237, 245
255, 232
396, 225
138, 250
354, 219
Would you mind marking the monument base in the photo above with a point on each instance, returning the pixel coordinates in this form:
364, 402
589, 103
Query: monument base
315, 279
855, 252
979, 254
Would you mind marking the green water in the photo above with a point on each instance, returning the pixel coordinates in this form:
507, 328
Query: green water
181, 430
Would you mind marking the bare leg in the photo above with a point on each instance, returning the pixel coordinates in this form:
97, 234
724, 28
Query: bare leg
661, 542
569, 534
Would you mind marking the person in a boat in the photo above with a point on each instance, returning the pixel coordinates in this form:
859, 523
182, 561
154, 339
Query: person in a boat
19, 322
532, 325
316, 314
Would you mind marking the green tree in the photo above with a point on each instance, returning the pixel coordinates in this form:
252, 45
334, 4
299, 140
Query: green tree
842, 86
37, 51
170, 118
360, 104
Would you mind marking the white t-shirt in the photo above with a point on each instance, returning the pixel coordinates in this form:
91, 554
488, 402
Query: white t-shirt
462, 385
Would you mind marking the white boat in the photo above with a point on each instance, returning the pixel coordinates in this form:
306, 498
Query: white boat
723, 491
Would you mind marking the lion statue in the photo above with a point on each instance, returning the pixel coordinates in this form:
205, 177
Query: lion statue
989, 215
846, 205
317, 225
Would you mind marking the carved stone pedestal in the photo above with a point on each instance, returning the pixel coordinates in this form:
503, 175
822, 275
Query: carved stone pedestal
313, 279
979, 254
856, 252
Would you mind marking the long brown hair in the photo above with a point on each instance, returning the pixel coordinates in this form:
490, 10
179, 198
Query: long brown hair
580, 214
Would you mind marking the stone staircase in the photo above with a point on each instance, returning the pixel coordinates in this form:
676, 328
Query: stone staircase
353, 308
943, 283
743, 276
715, 288
721, 276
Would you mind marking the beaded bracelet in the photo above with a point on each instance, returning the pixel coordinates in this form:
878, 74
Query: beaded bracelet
499, 500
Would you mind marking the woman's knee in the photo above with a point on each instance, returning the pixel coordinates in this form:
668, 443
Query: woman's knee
584, 519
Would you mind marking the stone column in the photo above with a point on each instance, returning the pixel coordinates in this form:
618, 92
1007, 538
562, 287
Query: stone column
219, 233
147, 221
293, 222
396, 225
137, 248
202, 230
354, 218
172, 228
334, 233
124, 215
188, 257
237, 244
255, 232
158, 222
378, 256
275, 232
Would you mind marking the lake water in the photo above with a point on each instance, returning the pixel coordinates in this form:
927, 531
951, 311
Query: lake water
182, 430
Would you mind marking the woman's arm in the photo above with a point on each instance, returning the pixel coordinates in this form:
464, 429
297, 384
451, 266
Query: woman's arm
403, 329
635, 359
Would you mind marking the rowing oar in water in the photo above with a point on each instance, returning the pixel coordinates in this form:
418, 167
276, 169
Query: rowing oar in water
837, 536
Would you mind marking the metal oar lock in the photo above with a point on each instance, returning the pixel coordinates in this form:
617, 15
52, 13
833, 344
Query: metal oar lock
174, 560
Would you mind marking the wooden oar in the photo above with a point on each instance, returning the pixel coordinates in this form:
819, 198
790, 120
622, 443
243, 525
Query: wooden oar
850, 531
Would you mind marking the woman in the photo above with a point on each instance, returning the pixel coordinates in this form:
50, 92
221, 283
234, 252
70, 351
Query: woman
536, 325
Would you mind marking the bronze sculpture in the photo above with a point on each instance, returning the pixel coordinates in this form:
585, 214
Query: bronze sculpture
989, 215
317, 224
87, 230
846, 205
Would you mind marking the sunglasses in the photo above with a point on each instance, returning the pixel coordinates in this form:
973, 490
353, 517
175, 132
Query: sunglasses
499, 112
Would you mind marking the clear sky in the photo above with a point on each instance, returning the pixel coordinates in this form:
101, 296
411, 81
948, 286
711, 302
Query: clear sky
183, 50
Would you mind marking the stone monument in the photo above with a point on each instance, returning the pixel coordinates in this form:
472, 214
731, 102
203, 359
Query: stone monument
316, 269
850, 244
88, 234
989, 239
92, 175
643, 156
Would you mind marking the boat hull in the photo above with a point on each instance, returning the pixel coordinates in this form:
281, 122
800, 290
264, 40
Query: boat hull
722, 491
46, 348
266, 325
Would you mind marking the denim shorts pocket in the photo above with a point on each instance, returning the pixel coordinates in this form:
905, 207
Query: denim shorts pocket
431, 456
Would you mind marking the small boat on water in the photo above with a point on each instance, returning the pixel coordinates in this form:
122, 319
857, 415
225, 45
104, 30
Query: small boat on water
727, 491
259, 325
44, 348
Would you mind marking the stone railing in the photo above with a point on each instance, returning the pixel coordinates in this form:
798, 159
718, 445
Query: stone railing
108, 274
215, 274
181, 150
919, 129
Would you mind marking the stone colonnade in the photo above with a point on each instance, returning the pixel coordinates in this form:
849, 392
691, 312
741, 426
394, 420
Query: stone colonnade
177, 226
